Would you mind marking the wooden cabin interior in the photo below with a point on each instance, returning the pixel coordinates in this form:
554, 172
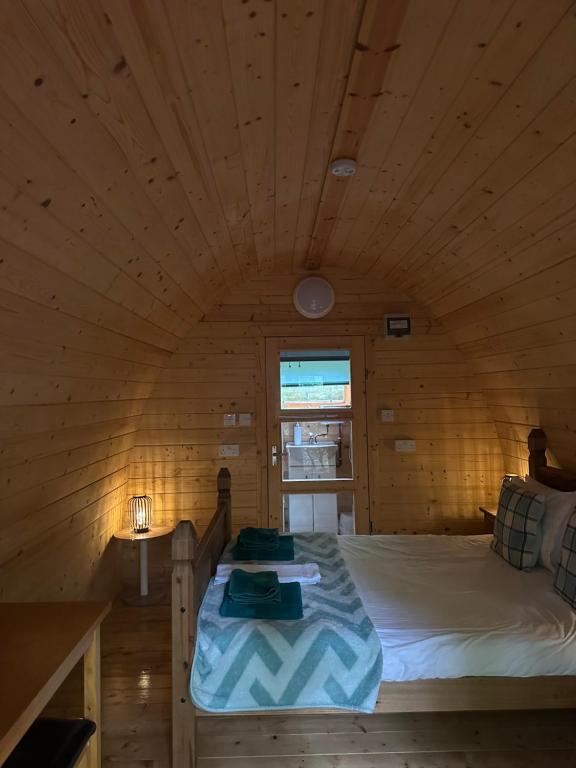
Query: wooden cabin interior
165, 185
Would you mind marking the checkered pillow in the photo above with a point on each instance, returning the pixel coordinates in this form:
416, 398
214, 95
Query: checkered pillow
518, 526
565, 581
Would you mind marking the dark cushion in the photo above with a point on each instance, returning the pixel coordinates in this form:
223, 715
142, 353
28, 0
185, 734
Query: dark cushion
565, 581
518, 526
52, 743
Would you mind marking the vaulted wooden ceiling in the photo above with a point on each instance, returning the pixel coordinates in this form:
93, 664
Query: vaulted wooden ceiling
162, 152
163, 161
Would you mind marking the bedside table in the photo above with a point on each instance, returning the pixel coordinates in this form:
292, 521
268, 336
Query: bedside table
127, 534
489, 518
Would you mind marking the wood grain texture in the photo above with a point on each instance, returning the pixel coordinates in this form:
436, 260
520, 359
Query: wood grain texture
161, 159
136, 721
424, 379
41, 644
183, 620
71, 391
93, 699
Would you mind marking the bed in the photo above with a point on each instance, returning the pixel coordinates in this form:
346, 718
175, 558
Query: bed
448, 607
479, 645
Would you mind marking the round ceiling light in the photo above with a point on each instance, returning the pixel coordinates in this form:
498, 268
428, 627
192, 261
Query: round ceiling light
343, 167
314, 297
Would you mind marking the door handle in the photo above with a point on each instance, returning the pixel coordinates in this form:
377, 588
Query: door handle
274, 455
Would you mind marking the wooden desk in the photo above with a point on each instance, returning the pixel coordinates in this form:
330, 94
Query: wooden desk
40, 643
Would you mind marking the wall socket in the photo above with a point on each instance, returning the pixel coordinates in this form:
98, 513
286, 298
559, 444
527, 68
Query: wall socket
225, 451
386, 415
405, 446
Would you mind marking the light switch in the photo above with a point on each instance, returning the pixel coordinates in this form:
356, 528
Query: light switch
386, 415
225, 451
245, 419
405, 446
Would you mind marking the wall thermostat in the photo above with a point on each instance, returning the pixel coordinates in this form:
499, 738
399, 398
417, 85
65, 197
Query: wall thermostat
397, 326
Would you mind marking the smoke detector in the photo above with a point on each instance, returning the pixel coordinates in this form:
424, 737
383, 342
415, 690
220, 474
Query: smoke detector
343, 167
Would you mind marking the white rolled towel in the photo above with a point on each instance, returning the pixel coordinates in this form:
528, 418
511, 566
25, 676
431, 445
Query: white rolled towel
304, 573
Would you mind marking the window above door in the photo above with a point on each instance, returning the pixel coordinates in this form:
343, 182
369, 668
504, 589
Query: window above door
315, 379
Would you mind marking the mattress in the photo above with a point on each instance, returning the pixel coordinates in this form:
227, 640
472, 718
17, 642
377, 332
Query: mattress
448, 606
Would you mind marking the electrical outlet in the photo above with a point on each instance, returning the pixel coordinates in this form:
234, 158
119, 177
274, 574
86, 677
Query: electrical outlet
224, 451
386, 415
245, 419
405, 446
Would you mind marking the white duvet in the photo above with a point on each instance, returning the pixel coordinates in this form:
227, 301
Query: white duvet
447, 606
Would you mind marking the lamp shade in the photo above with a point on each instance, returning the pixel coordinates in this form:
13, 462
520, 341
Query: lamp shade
140, 511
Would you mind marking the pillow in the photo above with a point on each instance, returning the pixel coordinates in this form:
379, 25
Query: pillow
559, 507
518, 526
565, 580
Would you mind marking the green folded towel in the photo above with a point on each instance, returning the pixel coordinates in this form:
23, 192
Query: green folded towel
254, 588
288, 609
285, 551
258, 538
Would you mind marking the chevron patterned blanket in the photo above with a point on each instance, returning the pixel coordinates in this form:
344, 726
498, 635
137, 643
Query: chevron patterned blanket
332, 657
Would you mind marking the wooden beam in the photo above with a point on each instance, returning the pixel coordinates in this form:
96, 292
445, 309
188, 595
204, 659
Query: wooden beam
92, 699
184, 546
376, 43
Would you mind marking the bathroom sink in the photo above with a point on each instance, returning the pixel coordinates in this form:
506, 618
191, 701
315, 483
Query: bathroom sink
319, 444
323, 443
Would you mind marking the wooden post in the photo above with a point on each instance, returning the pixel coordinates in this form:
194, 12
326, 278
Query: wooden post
92, 700
224, 484
184, 545
537, 451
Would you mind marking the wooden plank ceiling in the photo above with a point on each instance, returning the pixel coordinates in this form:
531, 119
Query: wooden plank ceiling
162, 152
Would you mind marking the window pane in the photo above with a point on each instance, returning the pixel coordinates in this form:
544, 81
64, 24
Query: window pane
319, 512
315, 379
317, 450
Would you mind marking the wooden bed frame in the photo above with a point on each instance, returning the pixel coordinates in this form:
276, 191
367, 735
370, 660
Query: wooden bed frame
194, 563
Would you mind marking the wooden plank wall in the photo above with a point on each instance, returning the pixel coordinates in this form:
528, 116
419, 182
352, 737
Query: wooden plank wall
464, 199
175, 458
219, 368
518, 329
439, 403
96, 287
71, 394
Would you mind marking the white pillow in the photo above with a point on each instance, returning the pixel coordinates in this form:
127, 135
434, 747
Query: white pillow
559, 507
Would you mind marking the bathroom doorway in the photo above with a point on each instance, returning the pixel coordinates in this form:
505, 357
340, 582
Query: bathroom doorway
317, 445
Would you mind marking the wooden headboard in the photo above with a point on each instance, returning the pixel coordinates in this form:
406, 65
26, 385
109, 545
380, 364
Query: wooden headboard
560, 479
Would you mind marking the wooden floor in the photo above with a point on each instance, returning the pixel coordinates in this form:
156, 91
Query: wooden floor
136, 700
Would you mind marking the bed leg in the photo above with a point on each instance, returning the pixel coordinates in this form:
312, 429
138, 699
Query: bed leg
184, 544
